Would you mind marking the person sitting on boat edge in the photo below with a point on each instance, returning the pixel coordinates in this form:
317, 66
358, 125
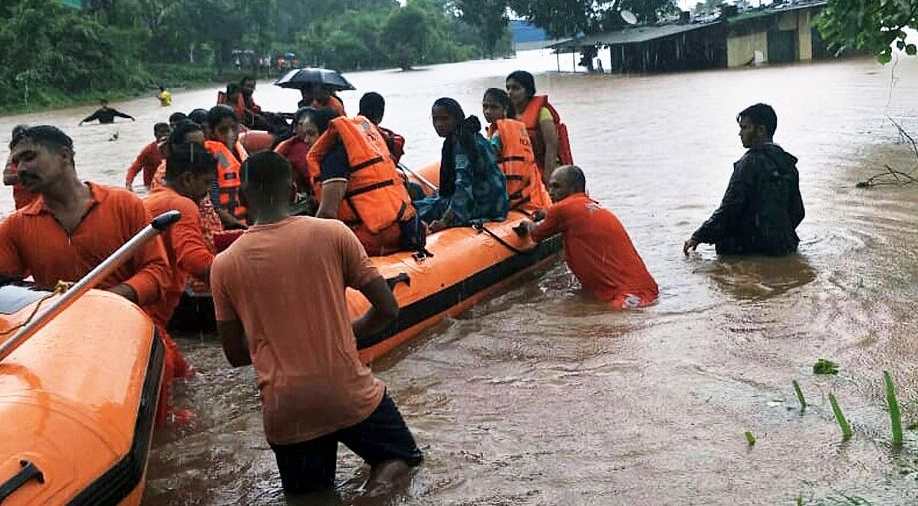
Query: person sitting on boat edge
72, 226
373, 108
515, 157
190, 171
356, 181
105, 114
315, 390
149, 158
21, 196
222, 132
597, 248
548, 134
472, 187
762, 206
296, 148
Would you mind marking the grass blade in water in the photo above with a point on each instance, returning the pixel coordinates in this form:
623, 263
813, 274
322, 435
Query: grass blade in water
799, 395
750, 438
895, 417
840, 418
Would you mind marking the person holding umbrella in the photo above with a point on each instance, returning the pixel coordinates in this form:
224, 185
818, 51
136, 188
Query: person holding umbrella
317, 87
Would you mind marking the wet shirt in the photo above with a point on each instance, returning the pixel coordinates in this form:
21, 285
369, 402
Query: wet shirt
295, 151
147, 161
597, 248
32, 241
186, 247
106, 115
285, 282
736, 226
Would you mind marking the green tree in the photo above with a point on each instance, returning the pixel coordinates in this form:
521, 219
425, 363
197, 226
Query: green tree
489, 17
869, 25
408, 31
565, 18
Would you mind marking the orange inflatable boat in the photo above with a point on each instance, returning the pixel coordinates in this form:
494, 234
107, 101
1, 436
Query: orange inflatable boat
466, 265
77, 401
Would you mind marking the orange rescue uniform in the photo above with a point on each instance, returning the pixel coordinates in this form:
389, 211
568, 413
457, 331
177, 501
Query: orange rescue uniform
599, 252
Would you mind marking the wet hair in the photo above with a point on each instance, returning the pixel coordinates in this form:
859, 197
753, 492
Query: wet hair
189, 157
525, 79
17, 131
181, 130
160, 126
322, 117
176, 117
760, 114
501, 97
467, 129
218, 113
48, 136
265, 175
372, 106
199, 116
573, 175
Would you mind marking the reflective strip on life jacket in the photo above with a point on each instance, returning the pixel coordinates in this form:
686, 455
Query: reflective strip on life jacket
228, 177
375, 196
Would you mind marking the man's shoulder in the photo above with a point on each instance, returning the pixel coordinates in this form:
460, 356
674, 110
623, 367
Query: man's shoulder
112, 195
161, 200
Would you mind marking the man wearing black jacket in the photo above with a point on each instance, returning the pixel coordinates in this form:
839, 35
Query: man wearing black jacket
105, 114
762, 207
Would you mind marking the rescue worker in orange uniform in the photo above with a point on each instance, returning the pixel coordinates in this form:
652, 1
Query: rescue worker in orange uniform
548, 134
356, 182
515, 157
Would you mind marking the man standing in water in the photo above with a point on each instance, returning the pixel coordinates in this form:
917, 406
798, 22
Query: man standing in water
315, 390
762, 207
105, 114
596, 246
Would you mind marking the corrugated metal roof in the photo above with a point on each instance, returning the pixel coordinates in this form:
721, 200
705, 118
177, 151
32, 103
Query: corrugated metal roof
773, 10
631, 35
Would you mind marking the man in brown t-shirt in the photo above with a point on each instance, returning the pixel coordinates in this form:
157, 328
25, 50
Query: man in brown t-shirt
279, 296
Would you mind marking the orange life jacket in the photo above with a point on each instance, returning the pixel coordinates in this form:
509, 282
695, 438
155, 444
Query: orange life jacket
228, 176
531, 118
375, 196
517, 161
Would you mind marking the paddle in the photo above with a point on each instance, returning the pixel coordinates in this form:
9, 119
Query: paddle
90, 280
419, 177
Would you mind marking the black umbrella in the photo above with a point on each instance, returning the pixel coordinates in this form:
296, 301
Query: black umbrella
300, 78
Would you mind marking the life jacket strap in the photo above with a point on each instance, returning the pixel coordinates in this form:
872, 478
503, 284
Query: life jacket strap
363, 165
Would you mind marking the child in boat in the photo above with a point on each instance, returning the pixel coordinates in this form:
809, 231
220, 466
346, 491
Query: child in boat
472, 187
596, 246
514, 149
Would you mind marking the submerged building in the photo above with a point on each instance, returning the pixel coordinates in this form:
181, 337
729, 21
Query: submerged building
778, 33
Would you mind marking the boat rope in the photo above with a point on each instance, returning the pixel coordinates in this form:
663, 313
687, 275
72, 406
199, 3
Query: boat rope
60, 288
481, 228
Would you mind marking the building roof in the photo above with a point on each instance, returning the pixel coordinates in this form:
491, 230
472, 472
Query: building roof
630, 35
773, 9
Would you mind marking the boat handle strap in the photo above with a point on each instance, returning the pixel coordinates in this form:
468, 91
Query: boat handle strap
400, 278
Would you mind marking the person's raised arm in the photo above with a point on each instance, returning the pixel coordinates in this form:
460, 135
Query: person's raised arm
123, 115
92, 117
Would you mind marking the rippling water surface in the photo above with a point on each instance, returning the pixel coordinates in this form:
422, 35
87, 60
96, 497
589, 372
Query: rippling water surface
541, 396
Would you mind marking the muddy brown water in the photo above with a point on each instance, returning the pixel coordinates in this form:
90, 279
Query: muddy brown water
541, 396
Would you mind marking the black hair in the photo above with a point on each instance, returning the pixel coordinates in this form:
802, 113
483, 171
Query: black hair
176, 117
182, 129
218, 113
501, 97
465, 134
189, 157
48, 136
199, 116
246, 78
17, 131
575, 178
232, 89
322, 117
266, 174
760, 114
159, 126
372, 106
525, 79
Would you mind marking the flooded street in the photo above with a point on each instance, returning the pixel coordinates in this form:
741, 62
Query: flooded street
542, 396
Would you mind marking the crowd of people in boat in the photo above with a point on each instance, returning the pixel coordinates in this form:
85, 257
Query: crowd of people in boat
342, 176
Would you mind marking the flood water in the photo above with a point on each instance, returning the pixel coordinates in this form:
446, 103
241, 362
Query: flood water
541, 396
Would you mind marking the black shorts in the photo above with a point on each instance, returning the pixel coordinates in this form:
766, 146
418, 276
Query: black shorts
310, 466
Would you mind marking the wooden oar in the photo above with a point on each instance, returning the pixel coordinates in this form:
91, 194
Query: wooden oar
89, 281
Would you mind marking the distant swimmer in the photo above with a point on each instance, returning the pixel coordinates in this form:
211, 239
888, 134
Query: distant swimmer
597, 248
165, 97
106, 115
762, 206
